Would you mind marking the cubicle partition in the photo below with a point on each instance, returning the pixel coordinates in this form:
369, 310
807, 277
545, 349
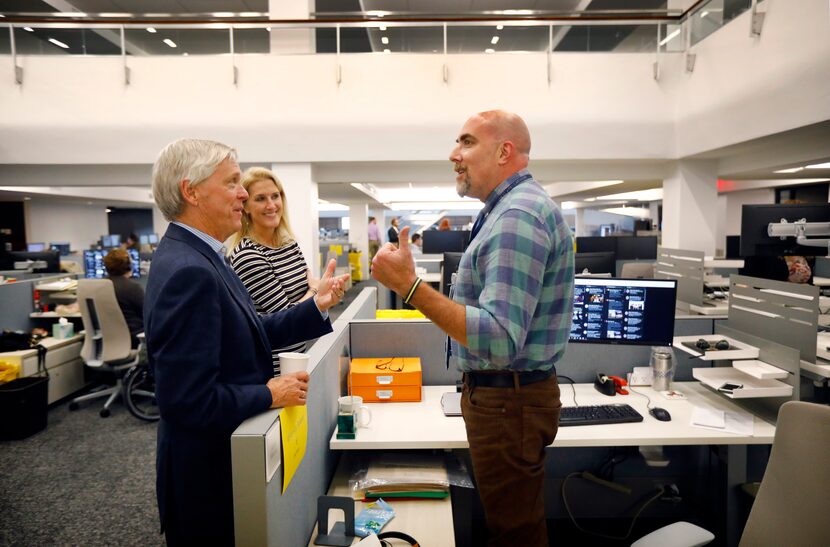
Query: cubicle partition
686, 267
16, 300
263, 515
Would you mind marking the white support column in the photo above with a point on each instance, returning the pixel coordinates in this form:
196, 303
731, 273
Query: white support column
580, 222
359, 234
654, 212
690, 194
301, 195
291, 40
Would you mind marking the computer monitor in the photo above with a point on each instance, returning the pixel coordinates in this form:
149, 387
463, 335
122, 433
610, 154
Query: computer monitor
445, 241
448, 267
62, 247
595, 244
94, 264
153, 239
135, 262
755, 219
637, 248
144, 239
35, 247
38, 262
595, 263
623, 311
733, 247
110, 241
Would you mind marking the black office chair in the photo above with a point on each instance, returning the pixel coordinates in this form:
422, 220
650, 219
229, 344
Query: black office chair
107, 341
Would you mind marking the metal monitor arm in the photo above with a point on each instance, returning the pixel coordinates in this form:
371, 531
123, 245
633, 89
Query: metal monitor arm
801, 229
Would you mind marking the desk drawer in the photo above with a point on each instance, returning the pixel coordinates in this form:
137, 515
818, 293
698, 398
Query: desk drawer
55, 357
65, 379
388, 394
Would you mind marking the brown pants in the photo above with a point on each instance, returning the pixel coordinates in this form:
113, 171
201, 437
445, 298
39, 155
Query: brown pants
508, 430
374, 247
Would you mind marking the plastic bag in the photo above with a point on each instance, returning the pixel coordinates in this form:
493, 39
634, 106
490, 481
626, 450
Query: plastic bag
373, 518
8, 371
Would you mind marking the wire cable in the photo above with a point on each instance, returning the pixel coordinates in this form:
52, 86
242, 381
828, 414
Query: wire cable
573, 388
641, 394
648, 502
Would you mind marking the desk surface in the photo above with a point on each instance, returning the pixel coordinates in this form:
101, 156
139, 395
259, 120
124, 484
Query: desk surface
423, 425
49, 343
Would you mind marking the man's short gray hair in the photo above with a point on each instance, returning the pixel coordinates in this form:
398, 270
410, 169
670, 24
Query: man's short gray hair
185, 159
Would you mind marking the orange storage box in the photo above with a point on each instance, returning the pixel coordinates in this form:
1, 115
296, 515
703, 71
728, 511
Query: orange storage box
386, 379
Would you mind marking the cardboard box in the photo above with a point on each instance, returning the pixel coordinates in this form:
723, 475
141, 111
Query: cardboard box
386, 379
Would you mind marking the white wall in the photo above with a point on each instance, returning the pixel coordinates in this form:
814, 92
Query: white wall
54, 221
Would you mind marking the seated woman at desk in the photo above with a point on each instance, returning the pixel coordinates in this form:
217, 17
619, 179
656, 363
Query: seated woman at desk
129, 293
265, 254
795, 269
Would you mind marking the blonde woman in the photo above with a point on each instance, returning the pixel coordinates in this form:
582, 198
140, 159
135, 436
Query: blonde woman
264, 253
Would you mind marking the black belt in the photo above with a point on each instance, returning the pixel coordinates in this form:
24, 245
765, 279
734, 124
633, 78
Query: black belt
505, 378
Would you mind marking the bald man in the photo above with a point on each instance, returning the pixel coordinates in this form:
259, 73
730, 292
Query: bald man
508, 320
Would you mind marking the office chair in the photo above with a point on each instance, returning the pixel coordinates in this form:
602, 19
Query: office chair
107, 341
789, 508
637, 270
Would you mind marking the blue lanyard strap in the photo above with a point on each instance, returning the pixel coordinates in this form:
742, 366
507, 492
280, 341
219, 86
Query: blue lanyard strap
482, 216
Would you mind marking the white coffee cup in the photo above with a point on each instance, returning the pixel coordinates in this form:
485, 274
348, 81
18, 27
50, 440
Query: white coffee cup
291, 362
353, 404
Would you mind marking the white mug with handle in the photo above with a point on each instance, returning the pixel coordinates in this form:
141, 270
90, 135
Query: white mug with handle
353, 404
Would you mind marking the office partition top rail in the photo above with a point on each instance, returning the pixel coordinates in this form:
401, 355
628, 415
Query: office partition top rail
684, 266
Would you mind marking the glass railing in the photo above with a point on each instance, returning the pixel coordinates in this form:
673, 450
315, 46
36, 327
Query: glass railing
255, 33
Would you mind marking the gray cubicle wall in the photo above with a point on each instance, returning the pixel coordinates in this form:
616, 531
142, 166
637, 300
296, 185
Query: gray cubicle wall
262, 514
16, 300
581, 362
686, 267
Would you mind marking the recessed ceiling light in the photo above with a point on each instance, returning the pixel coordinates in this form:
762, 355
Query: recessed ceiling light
169, 42
704, 14
108, 210
384, 40
387, 51
267, 29
58, 43
375, 13
250, 14
640, 195
382, 28
69, 14
28, 29
489, 50
494, 40
499, 27
112, 14
590, 199
819, 166
518, 12
222, 14
791, 170
185, 54
151, 30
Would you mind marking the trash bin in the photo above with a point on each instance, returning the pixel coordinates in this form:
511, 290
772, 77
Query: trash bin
23, 407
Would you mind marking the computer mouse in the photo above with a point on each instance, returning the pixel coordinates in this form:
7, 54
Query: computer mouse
660, 413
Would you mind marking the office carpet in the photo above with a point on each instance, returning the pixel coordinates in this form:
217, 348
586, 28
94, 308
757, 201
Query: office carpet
86, 480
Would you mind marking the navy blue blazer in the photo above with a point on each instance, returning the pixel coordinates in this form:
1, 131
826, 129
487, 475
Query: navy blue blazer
211, 354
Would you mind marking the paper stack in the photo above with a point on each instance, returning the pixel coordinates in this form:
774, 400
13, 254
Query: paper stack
404, 476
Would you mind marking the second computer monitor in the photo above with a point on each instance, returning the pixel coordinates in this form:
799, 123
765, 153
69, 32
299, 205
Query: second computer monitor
623, 311
445, 241
595, 263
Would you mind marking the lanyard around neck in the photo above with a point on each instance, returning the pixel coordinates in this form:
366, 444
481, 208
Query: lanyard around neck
482, 216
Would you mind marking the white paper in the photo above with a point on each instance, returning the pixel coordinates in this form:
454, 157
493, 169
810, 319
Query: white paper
737, 423
708, 417
273, 449
369, 541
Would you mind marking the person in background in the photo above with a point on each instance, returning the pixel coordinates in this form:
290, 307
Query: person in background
444, 225
392, 233
509, 321
374, 237
417, 244
265, 254
209, 349
129, 293
131, 242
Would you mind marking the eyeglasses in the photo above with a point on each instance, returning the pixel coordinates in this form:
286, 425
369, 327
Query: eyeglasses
389, 365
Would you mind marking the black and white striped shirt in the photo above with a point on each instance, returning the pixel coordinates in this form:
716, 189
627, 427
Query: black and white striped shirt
276, 279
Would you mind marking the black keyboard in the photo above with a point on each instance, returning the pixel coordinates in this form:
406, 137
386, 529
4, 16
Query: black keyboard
598, 414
